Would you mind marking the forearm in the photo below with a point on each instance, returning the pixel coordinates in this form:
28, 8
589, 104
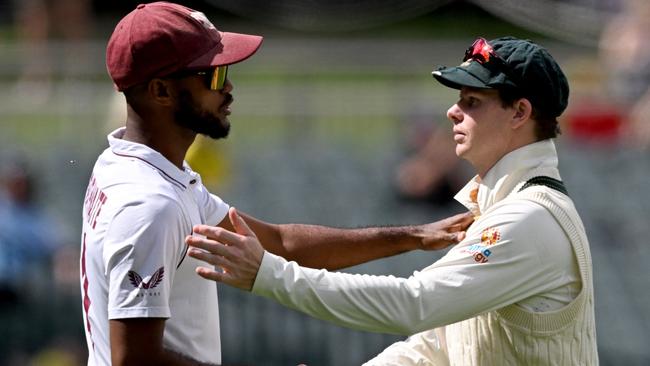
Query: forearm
332, 248
383, 304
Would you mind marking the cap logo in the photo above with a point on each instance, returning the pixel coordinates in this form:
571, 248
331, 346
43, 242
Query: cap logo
203, 20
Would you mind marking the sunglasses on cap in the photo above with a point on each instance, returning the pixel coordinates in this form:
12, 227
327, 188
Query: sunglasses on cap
482, 52
214, 78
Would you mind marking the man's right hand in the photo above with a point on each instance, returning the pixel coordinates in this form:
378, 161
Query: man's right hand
441, 234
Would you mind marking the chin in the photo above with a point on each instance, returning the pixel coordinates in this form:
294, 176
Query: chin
461, 151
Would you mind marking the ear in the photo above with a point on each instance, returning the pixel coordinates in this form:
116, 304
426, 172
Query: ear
522, 112
161, 91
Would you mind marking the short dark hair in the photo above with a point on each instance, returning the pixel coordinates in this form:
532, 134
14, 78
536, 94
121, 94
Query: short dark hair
546, 125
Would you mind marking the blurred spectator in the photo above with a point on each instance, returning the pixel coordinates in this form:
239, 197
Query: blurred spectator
37, 22
625, 54
28, 241
27, 236
432, 173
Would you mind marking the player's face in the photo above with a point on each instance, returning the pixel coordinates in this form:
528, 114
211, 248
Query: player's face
481, 128
202, 110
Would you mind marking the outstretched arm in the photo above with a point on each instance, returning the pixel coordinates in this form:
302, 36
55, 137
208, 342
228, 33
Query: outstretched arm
456, 287
332, 248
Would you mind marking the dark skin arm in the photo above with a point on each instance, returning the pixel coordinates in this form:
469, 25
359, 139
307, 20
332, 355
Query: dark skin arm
138, 342
331, 248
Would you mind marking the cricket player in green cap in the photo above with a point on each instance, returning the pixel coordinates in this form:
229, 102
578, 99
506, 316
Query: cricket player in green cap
517, 290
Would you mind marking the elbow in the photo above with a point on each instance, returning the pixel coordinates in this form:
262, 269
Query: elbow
272, 238
415, 309
402, 325
410, 325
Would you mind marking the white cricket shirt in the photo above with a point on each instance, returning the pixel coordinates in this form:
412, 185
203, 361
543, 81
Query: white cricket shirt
138, 209
514, 254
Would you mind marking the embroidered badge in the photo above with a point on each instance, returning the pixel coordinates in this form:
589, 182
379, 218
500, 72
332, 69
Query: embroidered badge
490, 236
480, 252
154, 280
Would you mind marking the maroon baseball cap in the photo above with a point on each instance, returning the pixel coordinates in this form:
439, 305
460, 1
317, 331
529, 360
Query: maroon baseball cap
160, 38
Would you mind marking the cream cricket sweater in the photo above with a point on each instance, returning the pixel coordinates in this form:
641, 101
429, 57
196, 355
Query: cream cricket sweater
517, 290
515, 336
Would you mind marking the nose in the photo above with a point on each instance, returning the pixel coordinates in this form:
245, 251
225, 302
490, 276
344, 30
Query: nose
454, 114
227, 86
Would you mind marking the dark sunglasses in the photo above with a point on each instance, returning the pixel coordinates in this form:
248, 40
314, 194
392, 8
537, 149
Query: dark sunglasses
215, 78
482, 52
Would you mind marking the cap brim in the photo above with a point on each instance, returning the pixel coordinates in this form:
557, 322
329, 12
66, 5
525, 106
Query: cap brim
234, 47
458, 77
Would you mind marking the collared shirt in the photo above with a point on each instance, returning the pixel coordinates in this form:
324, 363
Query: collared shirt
138, 209
515, 252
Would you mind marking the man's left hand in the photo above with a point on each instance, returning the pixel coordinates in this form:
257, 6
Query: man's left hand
441, 234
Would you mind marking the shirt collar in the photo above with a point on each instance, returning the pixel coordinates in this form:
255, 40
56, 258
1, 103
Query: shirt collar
151, 157
539, 158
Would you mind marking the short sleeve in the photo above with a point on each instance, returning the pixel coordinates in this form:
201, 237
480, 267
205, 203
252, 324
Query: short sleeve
215, 209
143, 246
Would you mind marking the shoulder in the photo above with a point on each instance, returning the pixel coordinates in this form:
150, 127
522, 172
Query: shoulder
148, 206
125, 186
523, 212
523, 221
148, 223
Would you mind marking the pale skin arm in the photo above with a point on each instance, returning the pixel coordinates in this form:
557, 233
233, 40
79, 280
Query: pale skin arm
332, 248
239, 252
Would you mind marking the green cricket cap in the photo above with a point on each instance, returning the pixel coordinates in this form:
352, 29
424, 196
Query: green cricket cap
526, 67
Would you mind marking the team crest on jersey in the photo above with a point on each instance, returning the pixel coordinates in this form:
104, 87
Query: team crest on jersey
150, 282
480, 252
490, 236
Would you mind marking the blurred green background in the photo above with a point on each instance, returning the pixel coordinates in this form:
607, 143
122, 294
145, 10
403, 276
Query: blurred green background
337, 99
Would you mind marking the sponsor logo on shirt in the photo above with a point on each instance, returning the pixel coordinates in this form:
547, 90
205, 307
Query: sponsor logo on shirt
149, 282
480, 252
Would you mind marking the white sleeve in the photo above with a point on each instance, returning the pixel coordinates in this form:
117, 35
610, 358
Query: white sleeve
214, 208
144, 245
503, 260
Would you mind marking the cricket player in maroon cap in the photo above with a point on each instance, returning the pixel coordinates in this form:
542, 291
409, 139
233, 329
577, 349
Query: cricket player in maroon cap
143, 304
